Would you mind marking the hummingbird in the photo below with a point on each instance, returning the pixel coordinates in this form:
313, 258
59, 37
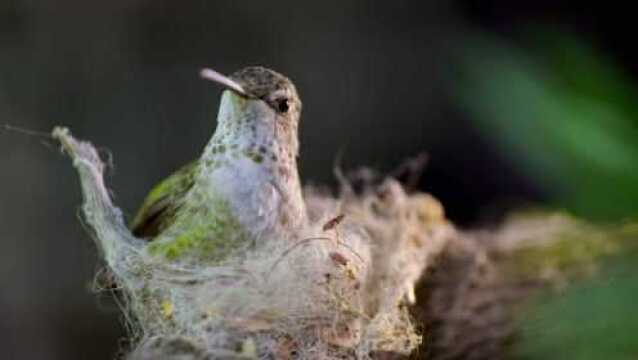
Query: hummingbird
244, 188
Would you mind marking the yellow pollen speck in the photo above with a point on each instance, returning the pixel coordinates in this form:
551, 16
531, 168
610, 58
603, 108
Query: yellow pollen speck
351, 271
167, 308
249, 349
210, 312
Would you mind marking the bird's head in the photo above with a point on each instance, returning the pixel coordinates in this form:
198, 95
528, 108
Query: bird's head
259, 106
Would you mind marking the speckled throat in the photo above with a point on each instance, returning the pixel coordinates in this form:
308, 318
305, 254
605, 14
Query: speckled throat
251, 162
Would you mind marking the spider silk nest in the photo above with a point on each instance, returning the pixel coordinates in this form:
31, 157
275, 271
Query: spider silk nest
340, 291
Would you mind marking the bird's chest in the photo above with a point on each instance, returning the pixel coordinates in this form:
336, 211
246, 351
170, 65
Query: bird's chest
253, 194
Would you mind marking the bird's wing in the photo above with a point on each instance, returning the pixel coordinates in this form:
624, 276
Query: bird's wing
162, 203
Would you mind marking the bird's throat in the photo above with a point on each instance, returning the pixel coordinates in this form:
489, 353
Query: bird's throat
259, 179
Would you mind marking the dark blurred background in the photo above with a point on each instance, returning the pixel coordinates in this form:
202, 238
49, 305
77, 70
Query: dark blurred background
517, 104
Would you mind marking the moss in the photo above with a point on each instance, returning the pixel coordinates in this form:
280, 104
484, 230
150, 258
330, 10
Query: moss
574, 250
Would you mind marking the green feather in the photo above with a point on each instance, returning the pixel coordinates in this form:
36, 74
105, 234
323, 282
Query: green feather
209, 232
200, 226
161, 205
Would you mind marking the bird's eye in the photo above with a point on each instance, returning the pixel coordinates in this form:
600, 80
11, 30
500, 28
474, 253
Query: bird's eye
282, 105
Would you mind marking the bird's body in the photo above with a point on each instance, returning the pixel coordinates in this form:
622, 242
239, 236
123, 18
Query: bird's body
244, 188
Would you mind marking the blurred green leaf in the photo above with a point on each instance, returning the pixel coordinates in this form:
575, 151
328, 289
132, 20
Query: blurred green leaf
563, 114
595, 320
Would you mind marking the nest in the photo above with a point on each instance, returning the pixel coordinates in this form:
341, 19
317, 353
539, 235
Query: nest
341, 290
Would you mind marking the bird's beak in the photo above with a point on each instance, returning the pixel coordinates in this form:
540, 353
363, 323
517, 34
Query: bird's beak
212, 75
